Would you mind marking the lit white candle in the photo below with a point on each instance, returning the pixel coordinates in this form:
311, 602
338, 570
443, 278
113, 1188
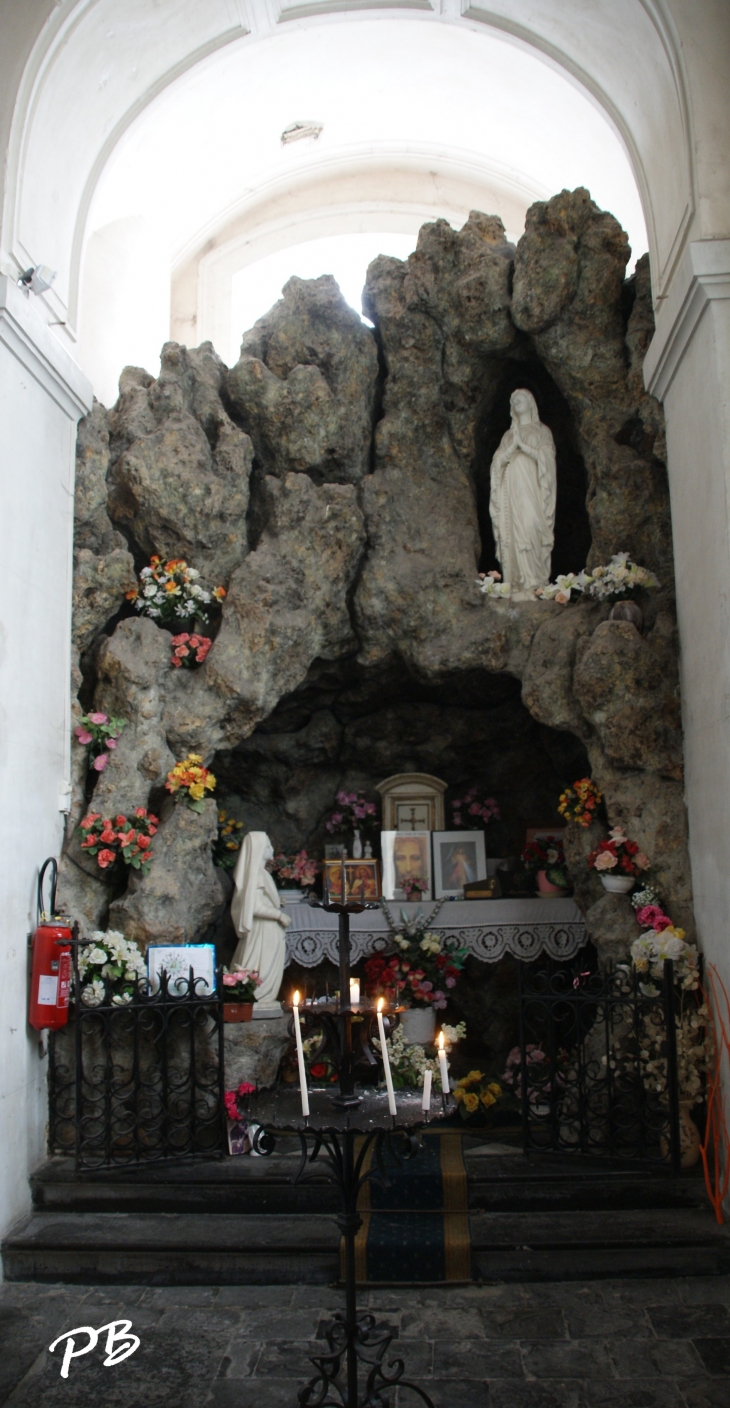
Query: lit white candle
300, 1058
443, 1066
354, 991
426, 1101
386, 1062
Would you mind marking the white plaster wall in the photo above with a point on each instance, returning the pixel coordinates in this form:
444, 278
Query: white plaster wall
42, 395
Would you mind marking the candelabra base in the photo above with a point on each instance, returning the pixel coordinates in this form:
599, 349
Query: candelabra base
352, 1344
344, 1101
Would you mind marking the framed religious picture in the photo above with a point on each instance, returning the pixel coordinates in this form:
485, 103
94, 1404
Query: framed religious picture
239, 1141
406, 865
459, 858
412, 801
362, 881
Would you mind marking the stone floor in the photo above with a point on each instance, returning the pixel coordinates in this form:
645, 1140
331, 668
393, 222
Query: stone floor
607, 1344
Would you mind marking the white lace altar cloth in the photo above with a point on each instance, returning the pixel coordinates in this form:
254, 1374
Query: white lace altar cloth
489, 929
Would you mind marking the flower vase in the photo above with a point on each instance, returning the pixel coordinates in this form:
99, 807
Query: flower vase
237, 1011
419, 1026
617, 884
356, 845
546, 888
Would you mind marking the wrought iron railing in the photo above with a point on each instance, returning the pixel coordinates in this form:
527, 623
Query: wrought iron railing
598, 1067
141, 1081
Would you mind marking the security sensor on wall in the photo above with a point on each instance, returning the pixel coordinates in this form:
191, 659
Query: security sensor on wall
37, 279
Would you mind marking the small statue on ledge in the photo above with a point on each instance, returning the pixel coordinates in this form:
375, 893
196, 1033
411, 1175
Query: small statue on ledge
522, 497
259, 921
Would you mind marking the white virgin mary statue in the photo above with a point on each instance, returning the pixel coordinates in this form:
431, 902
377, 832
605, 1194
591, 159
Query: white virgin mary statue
522, 497
259, 921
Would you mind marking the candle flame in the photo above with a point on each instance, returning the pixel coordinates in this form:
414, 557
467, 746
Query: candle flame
381, 1000
441, 1041
296, 999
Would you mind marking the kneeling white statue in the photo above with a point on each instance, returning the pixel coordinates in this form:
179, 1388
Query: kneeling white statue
259, 921
522, 497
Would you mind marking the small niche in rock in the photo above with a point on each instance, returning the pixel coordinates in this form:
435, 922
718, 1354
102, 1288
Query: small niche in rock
348, 726
572, 528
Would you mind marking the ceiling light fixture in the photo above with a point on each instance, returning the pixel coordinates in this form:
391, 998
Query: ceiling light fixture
297, 130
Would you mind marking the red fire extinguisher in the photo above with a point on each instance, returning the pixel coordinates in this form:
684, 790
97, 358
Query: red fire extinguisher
50, 981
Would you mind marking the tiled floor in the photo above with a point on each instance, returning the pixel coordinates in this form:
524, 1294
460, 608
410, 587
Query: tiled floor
604, 1344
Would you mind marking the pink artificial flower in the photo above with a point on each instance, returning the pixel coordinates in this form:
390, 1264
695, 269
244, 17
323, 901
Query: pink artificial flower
642, 862
606, 860
111, 742
181, 651
246, 1088
182, 639
562, 598
451, 982
497, 576
105, 858
98, 719
651, 916
176, 663
100, 763
231, 980
83, 735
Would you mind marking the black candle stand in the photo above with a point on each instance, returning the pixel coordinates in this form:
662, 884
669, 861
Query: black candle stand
355, 1342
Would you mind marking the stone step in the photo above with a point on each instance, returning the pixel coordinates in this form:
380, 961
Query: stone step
225, 1248
499, 1183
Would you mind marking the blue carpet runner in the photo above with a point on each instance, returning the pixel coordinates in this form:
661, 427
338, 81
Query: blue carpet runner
416, 1228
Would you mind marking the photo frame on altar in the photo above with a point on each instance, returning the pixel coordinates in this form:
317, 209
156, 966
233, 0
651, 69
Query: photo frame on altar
406, 853
362, 881
459, 858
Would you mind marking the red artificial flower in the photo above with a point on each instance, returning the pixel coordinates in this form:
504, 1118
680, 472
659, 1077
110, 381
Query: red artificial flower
89, 820
105, 858
318, 1070
143, 842
127, 837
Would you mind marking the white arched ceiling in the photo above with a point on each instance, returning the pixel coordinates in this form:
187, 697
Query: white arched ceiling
98, 65
418, 121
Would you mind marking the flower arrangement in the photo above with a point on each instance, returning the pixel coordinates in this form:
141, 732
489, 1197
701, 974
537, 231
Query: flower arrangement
189, 650
122, 837
618, 853
547, 854
469, 811
662, 940
353, 812
475, 1093
618, 578
580, 802
170, 591
240, 986
192, 778
227, 843
110, 968
491, 584
98, 734
412, 886
426, 964
300, 869
409, 1063
564, 587
233, 1100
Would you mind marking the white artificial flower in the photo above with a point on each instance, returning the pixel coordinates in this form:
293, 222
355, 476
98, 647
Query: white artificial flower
93, 993
150, 591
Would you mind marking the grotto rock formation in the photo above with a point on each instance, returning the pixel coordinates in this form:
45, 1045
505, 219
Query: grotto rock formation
306, 384
180, 467
333, 481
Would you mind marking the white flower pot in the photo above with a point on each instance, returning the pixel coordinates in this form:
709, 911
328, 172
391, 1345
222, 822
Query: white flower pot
419, 1025
617, 884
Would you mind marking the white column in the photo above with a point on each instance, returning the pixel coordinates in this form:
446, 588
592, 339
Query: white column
688, 368
43, 394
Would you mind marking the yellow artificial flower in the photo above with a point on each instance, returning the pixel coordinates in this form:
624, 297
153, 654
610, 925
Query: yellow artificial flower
488, 1099
193, 758
471, 1102
210, 781
495, 1089
197, 791
458, 1094
472, 1078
